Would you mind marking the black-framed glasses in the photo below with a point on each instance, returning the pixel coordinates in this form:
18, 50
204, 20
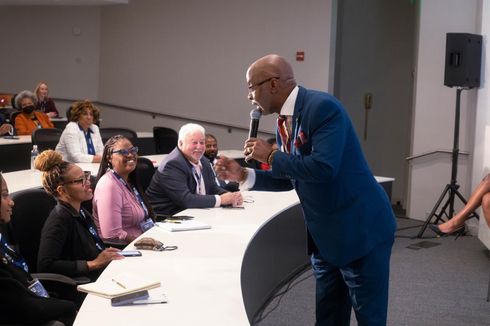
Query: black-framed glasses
126, 152
83, 180
252, 88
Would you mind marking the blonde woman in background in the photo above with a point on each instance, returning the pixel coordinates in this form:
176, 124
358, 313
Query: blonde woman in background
44, 103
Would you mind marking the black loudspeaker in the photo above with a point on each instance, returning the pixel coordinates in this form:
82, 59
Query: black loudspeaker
463, 60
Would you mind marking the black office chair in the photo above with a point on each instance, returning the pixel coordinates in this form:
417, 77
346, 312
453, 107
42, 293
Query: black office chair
13, 115
7, 112
32, 208
12, 101
68, 113
144, 172
46, 138
165, 139
106, 133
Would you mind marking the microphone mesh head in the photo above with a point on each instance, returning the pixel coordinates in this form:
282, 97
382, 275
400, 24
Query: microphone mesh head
255, 114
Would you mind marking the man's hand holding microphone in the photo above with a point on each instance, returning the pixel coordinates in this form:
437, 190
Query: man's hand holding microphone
254, 148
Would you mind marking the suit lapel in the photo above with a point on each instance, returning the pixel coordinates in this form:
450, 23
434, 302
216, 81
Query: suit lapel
298, 108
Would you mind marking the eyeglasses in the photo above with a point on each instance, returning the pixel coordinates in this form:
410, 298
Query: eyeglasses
126, 152
83, 180
252, 88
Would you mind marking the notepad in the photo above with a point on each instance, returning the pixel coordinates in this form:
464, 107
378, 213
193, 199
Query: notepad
183, 225
119, 285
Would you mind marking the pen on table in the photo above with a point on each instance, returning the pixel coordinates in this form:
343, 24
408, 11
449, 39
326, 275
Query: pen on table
173, 221
118, 283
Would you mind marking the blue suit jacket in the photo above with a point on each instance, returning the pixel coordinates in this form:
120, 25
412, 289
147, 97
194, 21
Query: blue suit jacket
173, 187
347, 212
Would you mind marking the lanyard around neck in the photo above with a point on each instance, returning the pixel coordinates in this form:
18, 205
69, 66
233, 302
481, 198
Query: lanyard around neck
11, 256
134, 191
91, 229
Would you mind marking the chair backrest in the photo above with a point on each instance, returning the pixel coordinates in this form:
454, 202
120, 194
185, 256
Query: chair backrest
32, 208
12, 101
46, 138
68, 113
5, 114
106, 133
165, 139
13, 115
144, 171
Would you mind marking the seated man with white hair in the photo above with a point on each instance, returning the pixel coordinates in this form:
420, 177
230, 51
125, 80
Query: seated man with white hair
185, 178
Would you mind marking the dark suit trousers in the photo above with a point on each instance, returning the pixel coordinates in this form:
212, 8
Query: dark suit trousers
361, 284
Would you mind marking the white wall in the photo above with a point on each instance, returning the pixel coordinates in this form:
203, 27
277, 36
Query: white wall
186, 58
189, 57
57, 44
434, 106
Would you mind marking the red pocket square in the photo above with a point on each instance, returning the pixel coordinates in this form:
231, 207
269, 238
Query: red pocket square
300, 140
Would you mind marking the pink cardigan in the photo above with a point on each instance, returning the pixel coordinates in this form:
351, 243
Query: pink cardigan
116, 210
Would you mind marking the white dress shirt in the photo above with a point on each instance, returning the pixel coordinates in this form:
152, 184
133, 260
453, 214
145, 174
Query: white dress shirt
287, 110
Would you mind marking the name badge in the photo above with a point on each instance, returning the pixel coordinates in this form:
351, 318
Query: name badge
146, 225
37, 288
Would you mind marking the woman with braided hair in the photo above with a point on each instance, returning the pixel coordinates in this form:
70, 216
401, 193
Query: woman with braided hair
121, 210
70, 244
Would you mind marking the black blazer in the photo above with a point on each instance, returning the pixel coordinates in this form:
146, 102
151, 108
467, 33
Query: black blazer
66, 245
173, 187
21, 306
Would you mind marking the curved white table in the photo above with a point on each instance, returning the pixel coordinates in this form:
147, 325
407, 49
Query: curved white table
221, 276
201, 279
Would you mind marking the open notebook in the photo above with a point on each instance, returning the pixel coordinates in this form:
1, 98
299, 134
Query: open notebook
119, 285
183, 225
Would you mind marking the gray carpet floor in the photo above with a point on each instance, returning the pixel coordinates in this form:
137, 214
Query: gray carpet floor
433, 281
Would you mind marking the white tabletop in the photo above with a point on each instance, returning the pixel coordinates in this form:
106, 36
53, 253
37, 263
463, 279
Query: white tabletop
18, 140
201, 279
25, 179
28, 138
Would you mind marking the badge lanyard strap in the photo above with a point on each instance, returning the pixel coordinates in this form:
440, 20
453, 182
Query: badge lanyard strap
88, 140
91, 229
12, 256
134, 191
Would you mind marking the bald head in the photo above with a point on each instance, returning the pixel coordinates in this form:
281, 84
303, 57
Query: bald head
273, 65
270, 81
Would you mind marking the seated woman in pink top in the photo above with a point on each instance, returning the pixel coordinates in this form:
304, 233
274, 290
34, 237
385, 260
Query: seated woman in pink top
120, 209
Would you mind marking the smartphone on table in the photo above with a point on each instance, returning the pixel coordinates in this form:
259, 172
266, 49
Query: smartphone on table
130, 253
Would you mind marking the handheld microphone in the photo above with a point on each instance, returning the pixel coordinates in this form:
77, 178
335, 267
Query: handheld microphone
255, 115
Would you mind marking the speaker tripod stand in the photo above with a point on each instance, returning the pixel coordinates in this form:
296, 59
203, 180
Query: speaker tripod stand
446, 208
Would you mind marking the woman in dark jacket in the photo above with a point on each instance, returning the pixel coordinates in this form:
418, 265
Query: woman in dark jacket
70, 244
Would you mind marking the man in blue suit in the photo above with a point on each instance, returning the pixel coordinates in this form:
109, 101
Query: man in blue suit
348, 216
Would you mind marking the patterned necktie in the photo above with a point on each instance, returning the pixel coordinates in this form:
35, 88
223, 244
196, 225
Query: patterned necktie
284, 133
200, 188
